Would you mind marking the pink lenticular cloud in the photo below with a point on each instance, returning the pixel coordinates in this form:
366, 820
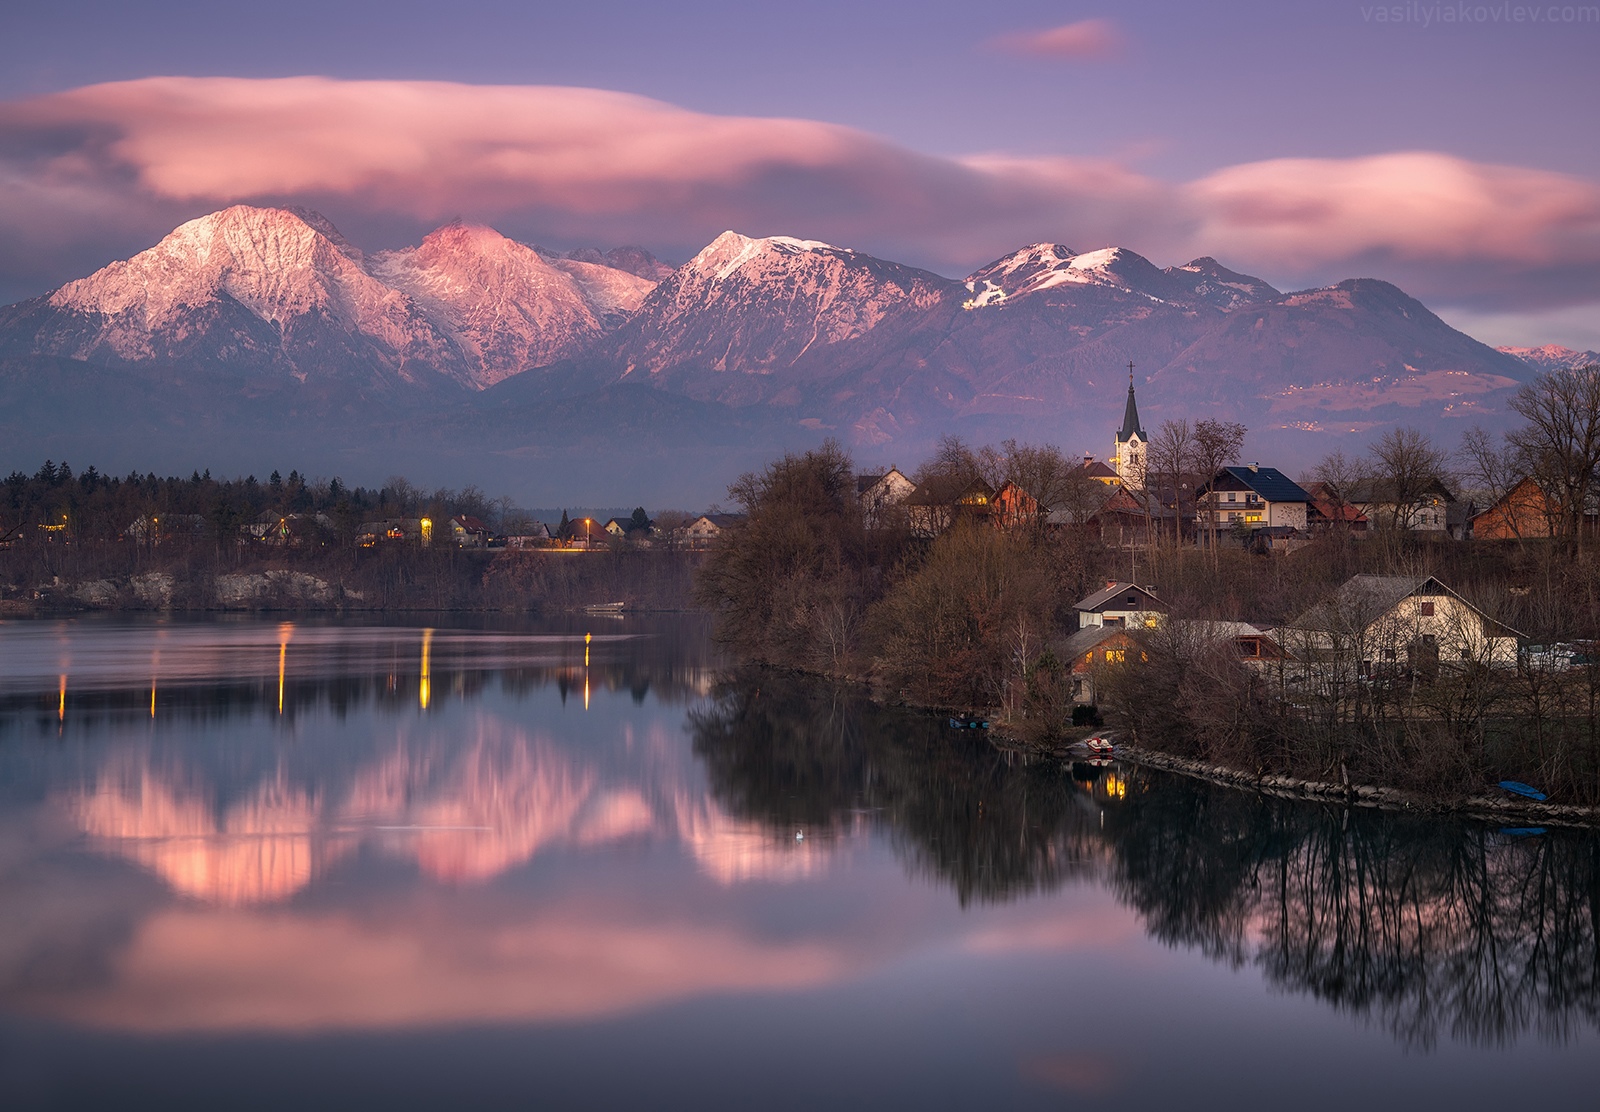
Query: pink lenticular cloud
599, 166
1411, 205
1087, 39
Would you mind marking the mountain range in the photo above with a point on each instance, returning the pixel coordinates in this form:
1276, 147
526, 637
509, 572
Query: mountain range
262, 332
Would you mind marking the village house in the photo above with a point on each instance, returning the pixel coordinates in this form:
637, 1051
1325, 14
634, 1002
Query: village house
1526, 512
1122, 519
1089, 651
155, 528
1428, 512
1013, 508
703, 531
880, 493
533, 534
467, 531
395, 530
1386, 624
290, 530
1099, 472
1327, 512
1254, 646
1120, 604
1252, 497
931, 511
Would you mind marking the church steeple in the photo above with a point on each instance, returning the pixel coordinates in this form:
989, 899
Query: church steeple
1130, 416
1129, 450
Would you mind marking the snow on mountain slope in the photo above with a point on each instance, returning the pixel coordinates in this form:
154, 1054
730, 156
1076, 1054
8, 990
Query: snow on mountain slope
760, 305
1052, 266
289, 270
1552, 357
503, 304
1209, 281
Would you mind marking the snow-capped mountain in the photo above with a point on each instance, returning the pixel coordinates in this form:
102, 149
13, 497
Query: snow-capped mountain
1552, 357
249, 288
269, 319
763, 305
503, 305
1052, 266
279, 291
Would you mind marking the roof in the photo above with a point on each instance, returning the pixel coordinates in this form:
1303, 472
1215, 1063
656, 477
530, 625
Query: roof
721, 521
1270, 483
1381, 491
1130, 418
1085, 641
1369, 597
469, 523
1097, 470
1111, 591
865, 483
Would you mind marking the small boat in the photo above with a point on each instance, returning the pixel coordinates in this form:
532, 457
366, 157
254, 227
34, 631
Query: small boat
605, 607
1099, 746
1517, 787
969, 722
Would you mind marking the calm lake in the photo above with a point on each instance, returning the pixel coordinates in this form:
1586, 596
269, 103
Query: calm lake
572, 864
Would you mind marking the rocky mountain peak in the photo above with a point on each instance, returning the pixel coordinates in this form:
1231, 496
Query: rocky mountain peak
276, 262
1552, 357
505, 305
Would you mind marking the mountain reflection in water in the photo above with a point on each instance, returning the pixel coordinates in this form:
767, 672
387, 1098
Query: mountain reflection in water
298, 839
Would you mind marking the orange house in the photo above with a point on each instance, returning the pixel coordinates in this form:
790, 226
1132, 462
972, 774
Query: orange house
1012, 507
1525, 513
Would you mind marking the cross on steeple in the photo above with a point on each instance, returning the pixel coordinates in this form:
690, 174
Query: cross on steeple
1130, 372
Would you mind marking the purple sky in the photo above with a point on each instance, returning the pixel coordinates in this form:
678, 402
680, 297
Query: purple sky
937, 133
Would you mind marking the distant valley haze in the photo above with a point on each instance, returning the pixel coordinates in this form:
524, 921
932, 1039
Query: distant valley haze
618, 255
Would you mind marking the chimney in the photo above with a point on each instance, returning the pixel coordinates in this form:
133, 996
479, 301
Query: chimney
1255, 467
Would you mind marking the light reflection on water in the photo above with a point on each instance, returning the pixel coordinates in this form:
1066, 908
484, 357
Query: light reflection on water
291, 832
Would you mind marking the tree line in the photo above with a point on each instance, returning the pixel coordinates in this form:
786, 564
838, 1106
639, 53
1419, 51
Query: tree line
88, 506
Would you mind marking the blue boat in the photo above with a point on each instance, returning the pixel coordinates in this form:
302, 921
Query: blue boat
969, 723
1517, 787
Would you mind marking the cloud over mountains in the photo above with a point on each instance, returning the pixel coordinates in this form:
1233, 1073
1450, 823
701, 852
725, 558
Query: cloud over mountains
98, 164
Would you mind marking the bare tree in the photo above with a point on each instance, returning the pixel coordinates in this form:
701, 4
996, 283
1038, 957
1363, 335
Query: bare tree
1039, 469
1406, 466
1560, 445
1340, 476
1171, 460
1217, 443
1493, 469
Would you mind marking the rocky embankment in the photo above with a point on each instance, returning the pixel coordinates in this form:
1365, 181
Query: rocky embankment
1501, 808
259, 590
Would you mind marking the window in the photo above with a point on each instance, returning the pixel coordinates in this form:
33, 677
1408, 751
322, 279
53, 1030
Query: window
1427, 610
1232, 497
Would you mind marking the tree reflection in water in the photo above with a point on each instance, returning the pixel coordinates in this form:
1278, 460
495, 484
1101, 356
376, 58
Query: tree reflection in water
1429, 926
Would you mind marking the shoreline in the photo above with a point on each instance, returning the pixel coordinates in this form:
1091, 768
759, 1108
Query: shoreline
1374, 796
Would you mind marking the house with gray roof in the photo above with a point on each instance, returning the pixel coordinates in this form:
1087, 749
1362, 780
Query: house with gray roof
1387, 624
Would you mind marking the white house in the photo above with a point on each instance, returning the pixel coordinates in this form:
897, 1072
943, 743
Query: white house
1253, 497
1121, 604
706, 528
880, 492
1377, 624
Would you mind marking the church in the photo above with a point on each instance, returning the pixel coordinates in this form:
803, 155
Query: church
1132, 447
